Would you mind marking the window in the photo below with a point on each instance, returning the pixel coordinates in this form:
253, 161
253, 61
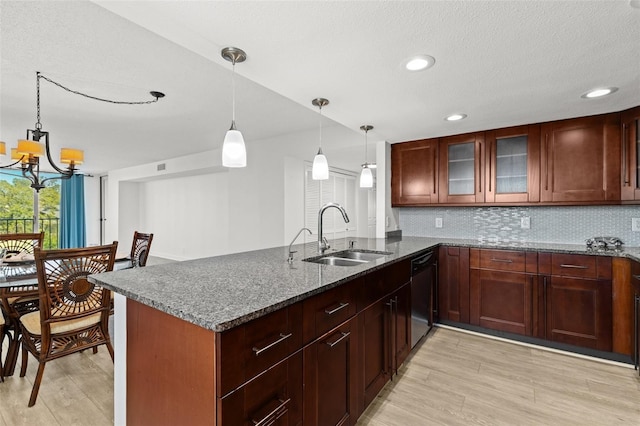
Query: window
16, 207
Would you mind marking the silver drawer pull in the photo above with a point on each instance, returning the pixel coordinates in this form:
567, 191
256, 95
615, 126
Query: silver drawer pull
564, 265
340, 339
274, 414
502, 260
282, 338
333, 311
637, 277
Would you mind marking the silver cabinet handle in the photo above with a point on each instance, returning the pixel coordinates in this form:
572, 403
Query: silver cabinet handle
274, 414
282, 338
637, 277
565, 265
502, 260
341, 305
343, 336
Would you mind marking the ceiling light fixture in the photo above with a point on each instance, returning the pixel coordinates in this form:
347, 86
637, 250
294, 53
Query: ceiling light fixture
320, 169
419, 63
456, 117
29, 150
366, 177
234, 153
599, 92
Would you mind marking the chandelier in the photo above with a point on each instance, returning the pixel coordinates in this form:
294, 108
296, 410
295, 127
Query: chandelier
26, 156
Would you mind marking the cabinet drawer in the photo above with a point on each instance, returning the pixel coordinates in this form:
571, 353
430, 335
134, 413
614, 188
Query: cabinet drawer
273, 398
500, 260
382, 282
251, 348
572, 265
329, 309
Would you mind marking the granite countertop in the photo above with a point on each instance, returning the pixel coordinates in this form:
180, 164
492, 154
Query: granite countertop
219, 293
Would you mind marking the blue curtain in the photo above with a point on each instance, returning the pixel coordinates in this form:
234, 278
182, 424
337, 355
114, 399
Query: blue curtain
72, 221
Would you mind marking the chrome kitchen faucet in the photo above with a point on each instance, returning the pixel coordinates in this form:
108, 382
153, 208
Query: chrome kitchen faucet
322, 242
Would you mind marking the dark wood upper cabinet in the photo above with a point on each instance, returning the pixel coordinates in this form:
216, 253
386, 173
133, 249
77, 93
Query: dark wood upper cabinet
414, 173
630, 122
512, 165
580, 160
461, 167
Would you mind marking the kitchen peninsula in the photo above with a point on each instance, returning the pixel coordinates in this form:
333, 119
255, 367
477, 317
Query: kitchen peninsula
230, 339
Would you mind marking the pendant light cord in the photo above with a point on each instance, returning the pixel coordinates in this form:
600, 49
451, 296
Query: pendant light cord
233, 93
156, 95
365, 146
320, 125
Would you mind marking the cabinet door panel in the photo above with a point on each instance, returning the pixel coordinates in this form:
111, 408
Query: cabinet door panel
453, 284
461, 164
274, 397
513, 165
330, 385
578, 312
631, 154
373, 330
580, 160
402, 329
502, 301
414, 173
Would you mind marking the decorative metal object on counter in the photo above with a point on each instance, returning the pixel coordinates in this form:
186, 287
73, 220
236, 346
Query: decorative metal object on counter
604, 244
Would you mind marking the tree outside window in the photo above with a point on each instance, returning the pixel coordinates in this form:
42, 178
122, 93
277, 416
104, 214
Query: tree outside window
16, 207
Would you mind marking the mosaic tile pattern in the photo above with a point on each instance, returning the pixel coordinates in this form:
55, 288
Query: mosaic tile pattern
565, 225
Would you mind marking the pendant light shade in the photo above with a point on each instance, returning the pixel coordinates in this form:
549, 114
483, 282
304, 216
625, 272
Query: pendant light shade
366, 177
234, 153
320, 170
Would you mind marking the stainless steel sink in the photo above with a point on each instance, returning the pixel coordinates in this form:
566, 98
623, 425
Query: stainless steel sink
348, 257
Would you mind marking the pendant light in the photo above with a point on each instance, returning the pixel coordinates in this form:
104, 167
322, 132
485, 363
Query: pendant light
320, 170
234, 153
366, 177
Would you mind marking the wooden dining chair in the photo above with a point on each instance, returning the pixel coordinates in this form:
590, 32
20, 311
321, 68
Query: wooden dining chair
140, 249
74, 313
18, 300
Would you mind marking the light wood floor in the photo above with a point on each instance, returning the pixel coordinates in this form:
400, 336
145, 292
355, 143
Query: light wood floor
452, 379
456, 378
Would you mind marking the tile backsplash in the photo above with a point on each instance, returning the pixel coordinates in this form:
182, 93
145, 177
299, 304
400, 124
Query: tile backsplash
567, 225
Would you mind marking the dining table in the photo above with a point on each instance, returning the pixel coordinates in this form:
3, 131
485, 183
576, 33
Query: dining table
19, 295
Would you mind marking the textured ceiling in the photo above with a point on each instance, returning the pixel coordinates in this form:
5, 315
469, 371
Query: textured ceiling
501, 63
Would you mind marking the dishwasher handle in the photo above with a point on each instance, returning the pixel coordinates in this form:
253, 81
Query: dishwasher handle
421, 262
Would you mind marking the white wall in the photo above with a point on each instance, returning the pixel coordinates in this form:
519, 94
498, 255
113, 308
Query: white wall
92, 209
387, 218
197, 208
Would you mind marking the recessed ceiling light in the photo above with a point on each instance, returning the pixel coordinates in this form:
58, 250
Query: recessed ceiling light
596, 93
456, 117
419, 62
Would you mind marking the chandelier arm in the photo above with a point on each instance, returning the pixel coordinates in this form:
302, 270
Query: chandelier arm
48, 152
9, 166
28, 173
61, 177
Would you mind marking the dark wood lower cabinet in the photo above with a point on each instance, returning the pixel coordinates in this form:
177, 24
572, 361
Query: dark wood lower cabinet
401, 326
373, 332
453, 284
330, 378
578, 312
272, 398
502, 301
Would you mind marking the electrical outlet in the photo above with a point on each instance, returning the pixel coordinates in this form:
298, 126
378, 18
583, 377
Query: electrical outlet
438, 222
635, 224
525, 222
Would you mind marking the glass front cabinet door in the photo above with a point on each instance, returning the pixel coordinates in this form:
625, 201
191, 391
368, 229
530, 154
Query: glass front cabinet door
512, 165
631, 155
461, 169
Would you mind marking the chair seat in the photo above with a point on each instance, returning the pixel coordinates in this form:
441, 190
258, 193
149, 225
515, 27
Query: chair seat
31, 322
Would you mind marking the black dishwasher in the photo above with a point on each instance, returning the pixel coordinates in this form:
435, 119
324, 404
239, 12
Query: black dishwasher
424, 278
